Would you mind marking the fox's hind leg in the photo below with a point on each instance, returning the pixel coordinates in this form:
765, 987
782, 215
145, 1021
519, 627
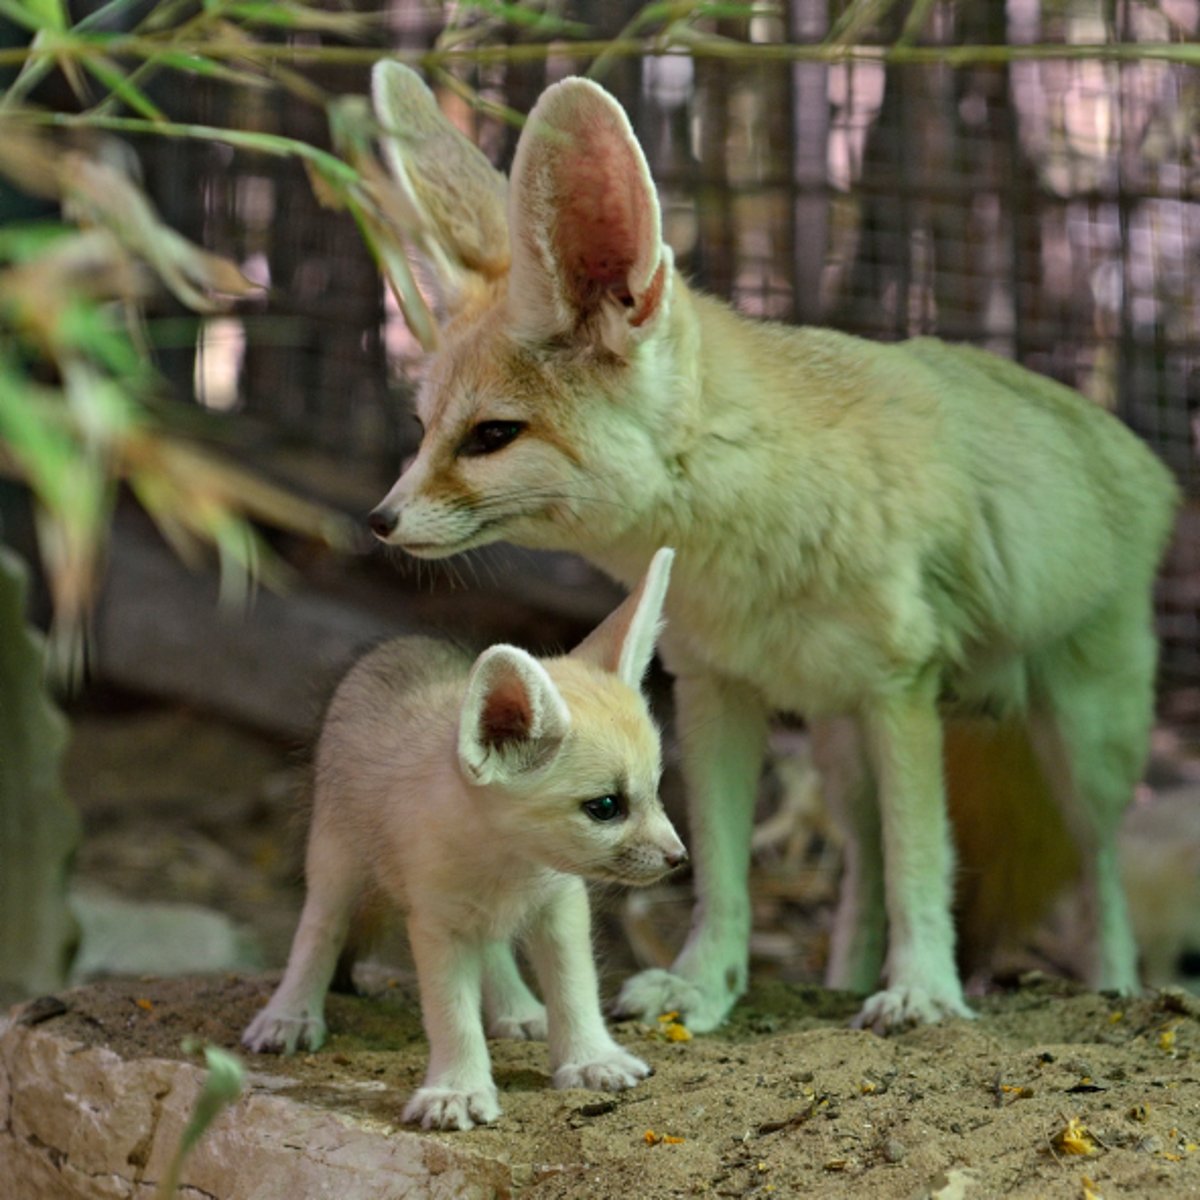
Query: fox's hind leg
859, 938
294, 1018
1090, 725
510, 1009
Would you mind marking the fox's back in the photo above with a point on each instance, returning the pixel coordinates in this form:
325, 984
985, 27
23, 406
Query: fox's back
383, 728
896, 505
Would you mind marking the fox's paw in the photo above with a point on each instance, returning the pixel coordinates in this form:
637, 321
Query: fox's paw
526, 1026
900, 1008
282, 1032
649, 994
446, 1108
613, 1071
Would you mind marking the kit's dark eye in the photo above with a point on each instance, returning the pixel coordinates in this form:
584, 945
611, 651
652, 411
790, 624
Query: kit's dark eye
489, 436
604, 808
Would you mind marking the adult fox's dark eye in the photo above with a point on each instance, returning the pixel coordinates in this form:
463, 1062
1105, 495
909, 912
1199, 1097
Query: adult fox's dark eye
604, 808
489, 436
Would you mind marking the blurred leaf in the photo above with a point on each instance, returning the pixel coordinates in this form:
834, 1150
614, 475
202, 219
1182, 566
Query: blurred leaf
96, 193
193, 63
23, 240
915, 22
74, 491
530, 17
38, 296
29, 160
91, 330
36, 14
114, 79
386, 217
298, 16
858, 17
200, 476
33, 435
49, 14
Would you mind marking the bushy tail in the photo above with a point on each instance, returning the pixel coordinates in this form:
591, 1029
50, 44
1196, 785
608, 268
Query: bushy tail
1015, 854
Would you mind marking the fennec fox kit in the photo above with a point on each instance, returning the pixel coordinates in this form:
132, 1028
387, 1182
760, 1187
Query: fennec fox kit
877, 537
477, 798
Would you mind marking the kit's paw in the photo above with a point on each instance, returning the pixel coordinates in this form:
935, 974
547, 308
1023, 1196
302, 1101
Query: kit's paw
527, 1026
446, 1108
899, 1008
650, 994
282, 1032
613, 1071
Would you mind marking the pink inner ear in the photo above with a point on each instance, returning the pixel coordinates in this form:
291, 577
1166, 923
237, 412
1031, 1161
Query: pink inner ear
602, 221
507, 714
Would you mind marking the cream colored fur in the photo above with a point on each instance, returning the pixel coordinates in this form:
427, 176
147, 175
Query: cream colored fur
873, 536
459, 791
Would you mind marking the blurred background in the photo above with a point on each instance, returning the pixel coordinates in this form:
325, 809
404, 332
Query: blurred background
1024, 176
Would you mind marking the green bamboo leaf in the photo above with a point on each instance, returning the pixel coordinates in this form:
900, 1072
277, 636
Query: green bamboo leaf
17, 14
109, 74
530, 18
729, 11
89, 329
108, 16
104, 413
26, 240
37, 14
166, 14
33, 433
241, 139
297, 16
197, 64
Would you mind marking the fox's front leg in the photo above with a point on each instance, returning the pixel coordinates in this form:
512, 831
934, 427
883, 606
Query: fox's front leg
295, 1016
904, 732
722, 729
583, 1053
458, 1092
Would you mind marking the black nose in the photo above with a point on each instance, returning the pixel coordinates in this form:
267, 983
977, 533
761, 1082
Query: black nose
382, 522
676, 860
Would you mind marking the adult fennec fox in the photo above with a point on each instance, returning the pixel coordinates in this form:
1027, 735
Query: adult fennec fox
874, 536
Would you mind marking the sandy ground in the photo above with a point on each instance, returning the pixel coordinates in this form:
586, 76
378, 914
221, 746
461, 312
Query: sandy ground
1049, 1092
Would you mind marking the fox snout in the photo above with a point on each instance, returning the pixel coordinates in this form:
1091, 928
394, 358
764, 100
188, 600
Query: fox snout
383, 521
425, 525
649, 860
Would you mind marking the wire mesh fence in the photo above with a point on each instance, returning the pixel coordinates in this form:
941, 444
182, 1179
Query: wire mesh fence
1047, 209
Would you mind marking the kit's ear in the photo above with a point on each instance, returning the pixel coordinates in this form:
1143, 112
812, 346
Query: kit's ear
587, 251
513, 718
623, 642
454, 203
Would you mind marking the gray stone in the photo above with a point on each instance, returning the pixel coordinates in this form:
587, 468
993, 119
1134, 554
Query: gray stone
139, 937
82, 1123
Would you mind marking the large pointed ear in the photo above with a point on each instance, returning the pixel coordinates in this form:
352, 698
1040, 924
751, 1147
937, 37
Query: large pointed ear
513, 718
624, 641
584, 221
454, 201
